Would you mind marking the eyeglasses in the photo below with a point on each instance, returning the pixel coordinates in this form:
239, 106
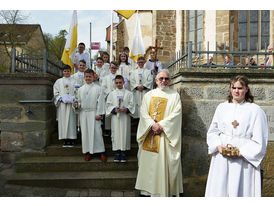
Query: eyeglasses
141, 62
164, 78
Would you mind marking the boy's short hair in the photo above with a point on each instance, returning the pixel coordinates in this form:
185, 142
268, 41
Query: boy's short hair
115, 63
89, 71
99, 58
81, 43
141, 58
83, 61
66, 67
119, 77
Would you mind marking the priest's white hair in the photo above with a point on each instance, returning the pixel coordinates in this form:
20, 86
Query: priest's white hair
162, 70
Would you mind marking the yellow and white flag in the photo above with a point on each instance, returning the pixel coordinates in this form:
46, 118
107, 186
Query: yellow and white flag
138, 48
126, 13
69, 52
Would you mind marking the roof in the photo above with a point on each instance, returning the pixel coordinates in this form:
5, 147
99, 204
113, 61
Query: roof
20, 32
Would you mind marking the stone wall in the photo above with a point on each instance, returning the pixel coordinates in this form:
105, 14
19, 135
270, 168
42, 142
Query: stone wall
201, 91
165, 33
20, 130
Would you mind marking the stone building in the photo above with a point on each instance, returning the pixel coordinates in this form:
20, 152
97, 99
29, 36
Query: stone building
203, 89
21, 37
234, 29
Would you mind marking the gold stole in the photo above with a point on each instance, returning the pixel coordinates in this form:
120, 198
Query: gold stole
157, 109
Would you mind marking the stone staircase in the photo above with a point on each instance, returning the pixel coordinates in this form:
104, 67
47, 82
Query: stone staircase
58, 167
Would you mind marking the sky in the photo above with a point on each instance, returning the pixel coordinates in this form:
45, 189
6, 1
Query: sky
56, 15
52, 21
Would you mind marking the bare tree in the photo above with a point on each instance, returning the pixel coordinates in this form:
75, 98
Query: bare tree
12, 16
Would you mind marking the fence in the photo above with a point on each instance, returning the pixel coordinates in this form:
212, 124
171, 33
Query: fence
27, 61
193, 56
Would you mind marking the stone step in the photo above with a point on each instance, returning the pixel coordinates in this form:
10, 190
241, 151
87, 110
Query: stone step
58, 150
107, 139
73, 164
121, 180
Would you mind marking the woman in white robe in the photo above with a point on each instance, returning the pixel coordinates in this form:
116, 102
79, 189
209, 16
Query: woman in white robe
242, 124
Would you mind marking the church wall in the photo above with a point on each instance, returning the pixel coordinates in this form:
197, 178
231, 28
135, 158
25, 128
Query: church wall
201, 91
166, 33
21, 131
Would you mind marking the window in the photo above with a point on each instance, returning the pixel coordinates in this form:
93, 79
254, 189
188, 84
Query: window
195, 27
250, 36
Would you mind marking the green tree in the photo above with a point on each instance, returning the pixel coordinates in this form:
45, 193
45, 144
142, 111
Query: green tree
55, 45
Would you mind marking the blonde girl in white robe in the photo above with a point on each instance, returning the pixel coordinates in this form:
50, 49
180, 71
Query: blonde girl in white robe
242, 124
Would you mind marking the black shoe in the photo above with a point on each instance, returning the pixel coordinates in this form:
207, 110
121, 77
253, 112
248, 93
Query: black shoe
117, 156
71, 143
65, 143
123, 156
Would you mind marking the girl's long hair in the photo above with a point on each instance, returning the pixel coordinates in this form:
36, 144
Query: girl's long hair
244, 82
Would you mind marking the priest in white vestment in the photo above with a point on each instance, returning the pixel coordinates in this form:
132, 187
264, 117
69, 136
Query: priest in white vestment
92, 106
241, 124
63, 91
120, 105
141, 81
159, 140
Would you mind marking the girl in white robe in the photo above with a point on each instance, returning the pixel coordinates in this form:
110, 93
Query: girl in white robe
242, 124
125, 69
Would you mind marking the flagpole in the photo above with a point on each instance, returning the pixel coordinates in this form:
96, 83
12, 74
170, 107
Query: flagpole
111, 29
90, 44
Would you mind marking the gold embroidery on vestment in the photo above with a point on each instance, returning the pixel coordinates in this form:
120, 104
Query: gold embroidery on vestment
157, 108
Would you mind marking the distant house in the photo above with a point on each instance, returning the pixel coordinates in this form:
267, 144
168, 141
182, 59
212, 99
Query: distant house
19, 36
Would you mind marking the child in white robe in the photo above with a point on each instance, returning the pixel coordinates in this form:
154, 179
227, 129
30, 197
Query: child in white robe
120, 105
63, 90
241, 124
125, 69
79, 81
92, 106
100, 70
141, 81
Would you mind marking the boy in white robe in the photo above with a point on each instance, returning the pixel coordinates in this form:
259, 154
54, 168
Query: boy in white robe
63, 90
242, 124
91, 105
120, 105
100, 70
79, 81
141, 81
108, 85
